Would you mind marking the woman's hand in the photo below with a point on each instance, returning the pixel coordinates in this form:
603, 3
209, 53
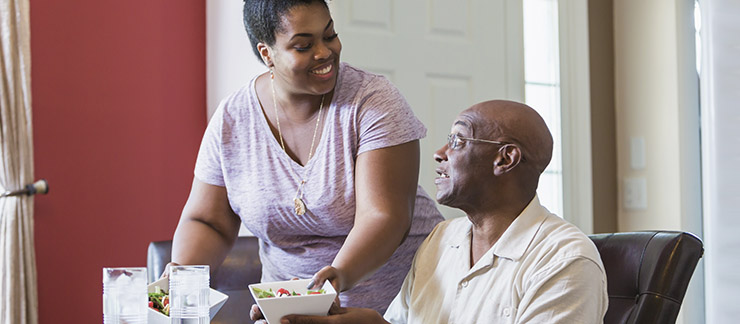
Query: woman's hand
334, 276
330, 273
255, 314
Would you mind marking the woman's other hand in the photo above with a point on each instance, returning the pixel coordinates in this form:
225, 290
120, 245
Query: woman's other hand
255, 314
334, 276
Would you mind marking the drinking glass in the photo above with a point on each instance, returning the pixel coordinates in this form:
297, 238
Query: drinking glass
189, 291
124, 296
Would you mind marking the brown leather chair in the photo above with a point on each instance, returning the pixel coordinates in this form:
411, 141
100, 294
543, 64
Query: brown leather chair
241, 268
647, 274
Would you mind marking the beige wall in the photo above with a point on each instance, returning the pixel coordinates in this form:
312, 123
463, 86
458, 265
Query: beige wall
643, 83
646, 90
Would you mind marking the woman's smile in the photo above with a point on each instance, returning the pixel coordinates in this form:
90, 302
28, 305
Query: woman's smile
324, 72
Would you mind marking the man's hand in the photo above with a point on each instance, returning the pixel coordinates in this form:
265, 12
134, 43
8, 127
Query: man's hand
338, 315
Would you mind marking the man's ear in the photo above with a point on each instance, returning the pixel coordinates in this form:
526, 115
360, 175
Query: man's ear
266, 54
507, 158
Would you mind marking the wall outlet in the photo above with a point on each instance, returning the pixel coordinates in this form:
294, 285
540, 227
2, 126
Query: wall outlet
635, 193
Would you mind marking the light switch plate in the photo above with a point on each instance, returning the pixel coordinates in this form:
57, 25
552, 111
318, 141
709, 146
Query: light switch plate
635, 193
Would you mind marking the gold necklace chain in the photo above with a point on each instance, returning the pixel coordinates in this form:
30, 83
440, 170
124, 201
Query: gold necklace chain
300, 206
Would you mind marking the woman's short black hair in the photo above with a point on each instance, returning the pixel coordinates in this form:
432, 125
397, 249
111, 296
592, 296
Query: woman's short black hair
262, 19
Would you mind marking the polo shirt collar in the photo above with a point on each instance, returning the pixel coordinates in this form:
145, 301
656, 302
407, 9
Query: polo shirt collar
515, 240
520, 234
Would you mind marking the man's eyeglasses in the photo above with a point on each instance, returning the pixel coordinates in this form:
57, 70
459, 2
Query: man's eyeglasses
454, 141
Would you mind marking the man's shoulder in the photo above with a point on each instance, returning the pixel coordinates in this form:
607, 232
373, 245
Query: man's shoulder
558, 239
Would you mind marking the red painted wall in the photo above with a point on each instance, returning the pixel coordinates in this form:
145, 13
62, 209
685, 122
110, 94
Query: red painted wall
118, 92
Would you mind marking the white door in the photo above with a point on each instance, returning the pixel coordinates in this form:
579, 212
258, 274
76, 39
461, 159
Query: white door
443, 55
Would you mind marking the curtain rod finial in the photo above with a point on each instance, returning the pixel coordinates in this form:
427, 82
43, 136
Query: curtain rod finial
38, 187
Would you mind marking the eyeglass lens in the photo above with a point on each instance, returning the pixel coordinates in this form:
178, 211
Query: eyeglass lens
452, 141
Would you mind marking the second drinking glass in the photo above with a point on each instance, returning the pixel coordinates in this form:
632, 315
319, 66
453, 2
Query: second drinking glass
189, 291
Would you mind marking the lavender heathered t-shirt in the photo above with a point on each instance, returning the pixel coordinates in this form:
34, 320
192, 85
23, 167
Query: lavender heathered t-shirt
239, 152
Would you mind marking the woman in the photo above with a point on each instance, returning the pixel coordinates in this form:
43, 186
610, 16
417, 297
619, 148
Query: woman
318, 159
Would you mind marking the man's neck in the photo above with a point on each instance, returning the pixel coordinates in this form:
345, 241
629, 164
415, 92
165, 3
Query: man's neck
489, 225
485, 233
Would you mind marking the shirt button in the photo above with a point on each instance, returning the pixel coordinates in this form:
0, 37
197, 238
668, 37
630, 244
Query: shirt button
507, 311
464, 284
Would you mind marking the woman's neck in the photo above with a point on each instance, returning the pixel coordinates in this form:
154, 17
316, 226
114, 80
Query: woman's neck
299, 107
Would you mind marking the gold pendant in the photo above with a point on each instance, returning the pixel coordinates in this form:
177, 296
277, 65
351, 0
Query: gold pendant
300, 207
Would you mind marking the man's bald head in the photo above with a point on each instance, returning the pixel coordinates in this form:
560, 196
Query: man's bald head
517, 123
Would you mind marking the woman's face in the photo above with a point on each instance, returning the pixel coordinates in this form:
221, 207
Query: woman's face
306, 51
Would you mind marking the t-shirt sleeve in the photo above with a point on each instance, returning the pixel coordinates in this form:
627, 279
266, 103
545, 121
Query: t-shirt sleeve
385, 118
208, 165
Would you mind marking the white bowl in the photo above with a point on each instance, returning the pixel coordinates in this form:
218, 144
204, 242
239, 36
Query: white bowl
275, 308
215, 300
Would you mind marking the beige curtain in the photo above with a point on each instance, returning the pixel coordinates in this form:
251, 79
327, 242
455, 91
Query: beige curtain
18, 298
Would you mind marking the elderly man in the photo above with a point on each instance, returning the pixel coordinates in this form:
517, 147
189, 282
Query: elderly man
510, 260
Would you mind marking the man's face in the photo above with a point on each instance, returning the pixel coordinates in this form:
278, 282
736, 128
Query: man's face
463, 165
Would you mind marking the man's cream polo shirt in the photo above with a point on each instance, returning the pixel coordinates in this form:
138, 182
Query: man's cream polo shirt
542, 270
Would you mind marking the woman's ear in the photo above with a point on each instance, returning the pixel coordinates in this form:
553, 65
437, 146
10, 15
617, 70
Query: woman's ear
507, 158
266, 54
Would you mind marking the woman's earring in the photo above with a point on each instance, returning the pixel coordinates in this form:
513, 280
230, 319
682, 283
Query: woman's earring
272, 75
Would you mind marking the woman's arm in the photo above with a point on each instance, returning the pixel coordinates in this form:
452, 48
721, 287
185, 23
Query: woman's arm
207, 229
386, 181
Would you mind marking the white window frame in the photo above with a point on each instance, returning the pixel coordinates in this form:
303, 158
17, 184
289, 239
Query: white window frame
575, 108
720, 153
